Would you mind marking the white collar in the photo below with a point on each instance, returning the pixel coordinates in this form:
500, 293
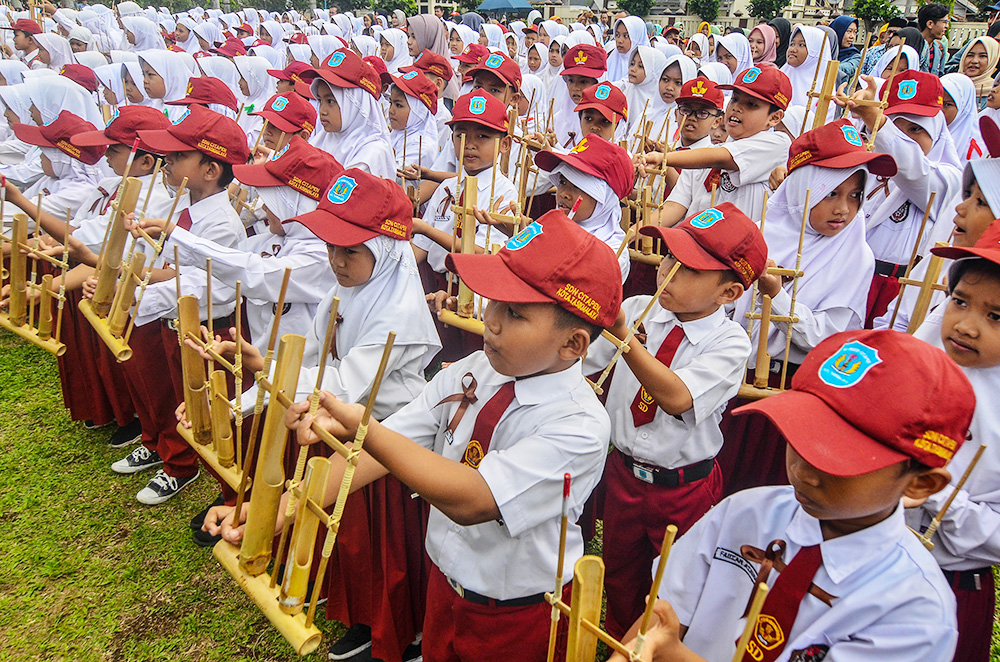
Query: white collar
537, 388
696, 330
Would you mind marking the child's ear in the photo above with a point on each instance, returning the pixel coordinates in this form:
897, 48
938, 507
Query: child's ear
729, 293
213, 171
576, 344
505, 144
775, 117
926, 483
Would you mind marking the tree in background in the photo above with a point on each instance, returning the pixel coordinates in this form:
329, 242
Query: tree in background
386, 7
636, 7
766, 9
706, 10
874, 12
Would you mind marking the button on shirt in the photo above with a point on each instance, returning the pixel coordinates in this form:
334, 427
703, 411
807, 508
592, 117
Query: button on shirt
555, 425
710, 360
890, 601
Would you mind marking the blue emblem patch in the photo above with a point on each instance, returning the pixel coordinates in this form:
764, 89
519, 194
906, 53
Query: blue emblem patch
707, 218
602, 93
410, 75
114, 116
182, 117
751, 74
524, 237
851, 135
279, 104
494, 61
277, 155
848, 365
477, 106
335, 59
341, 190
907, 89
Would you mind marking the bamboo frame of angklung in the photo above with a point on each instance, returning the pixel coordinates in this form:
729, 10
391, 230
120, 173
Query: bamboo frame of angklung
928, 284
283, 603
19, 318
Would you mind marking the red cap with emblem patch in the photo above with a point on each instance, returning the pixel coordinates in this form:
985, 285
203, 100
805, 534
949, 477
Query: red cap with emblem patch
719, 238
553, 260
598, 158
295, 71
25, 25
59, 134
298, 165
430, 62
915, 93
81, 75
124, 128
585, 60
865, 400
704, 91
231, 48
357, 207
483, 109
418, 86
837, 145
606, 99
473, 53
204, 90
765, 83
500, 66
345, 68
289, 112
205, 131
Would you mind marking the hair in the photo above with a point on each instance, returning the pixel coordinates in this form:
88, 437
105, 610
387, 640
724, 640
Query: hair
226, 178
568, 320
774, 107
727, 276
913, 466
972, 270
933, 11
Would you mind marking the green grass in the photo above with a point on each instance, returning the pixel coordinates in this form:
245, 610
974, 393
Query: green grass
87, 572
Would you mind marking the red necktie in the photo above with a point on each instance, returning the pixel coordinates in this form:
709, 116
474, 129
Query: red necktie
486, 422
714, 177
184, 222
782, 606
643, 407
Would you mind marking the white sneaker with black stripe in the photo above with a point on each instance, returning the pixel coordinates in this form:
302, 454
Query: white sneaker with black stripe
162, 487
138, 460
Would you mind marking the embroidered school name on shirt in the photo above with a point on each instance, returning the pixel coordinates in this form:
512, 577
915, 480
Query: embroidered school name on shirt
736, 559
579, 300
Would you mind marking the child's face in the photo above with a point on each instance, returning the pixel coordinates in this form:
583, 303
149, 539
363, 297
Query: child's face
530, 38
11, 116
130, 37
117, 158
993, 98
949, 108
493, 85
182, 33
387, 51
534, 62
622, 41
329, 109
522, 339
244, 86
970, 327
352, 265
411, 43
726, 58
23, 41
972, 217
77, 46
797, 50
178, 165
756, 40
512, 47
592, 121
480, 143
718, 133
836, 211
555, 55
273, 137
543, 36
636, 72
915, 132
747, 115
285, 86
132, 93
693, 50
36, 115
975, 61
671, 83
399, 109
566, 196
44, 55
455, 44
692, 128
576, 84
694, 294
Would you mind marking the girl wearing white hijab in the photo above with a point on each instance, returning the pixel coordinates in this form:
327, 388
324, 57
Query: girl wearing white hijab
549, 30
363, 138
132, 81
91, 59
538, 56
54, 50
12, 71
173, 75
84, 36
274, 34
697, 49
910, 59
300, 53
419, 139
275, 59
322, 47
960, 114
630, 33
643, 96
225, 70
364, 45
806, 51
209, 36
678, 70
257, 86
491, 36
736, 53
19, 161
142, 34
110, 78
55, 94
532, 92
395, 51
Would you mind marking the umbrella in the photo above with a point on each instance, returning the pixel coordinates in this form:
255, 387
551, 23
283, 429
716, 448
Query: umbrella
508, 6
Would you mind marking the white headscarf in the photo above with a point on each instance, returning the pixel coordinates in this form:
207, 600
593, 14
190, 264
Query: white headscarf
58, 48
964, 128
55, 94
324, 45
666, 48
261, 86
146, 33
274, 59
82, 34
276, 33
400, 50
421, 131
802, 76
739, 47
135, 73
91, 59
702, 41
605, 221
13, 71
363, 139
533, 90
299, 53
644, 98
554, 29
910, 55
494, 35
665, 112
211, 33
365, 45
618, 62
716, 72
110, 76
225, 70
175, 74
16, 98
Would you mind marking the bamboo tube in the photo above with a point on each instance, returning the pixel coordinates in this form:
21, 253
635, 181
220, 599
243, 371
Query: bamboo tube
458, 220
668, 542
61, 297
18, 305
238, 376
762, 369
300, 555
468, 224
118, 316
714, 188
588, 587
926, 292
795, 290
760, 594
193, 369
885, 98
45, 308
111, 261
812, 88
925, 538
913, 257
222, 429
557, 591
34, 262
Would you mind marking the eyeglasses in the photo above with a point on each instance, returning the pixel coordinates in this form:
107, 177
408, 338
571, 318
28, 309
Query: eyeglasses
699, 113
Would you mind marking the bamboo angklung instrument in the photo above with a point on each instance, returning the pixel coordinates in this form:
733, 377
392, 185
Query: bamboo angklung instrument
759, 595
925, 537
826, 94
927, 286
812, 88
563, 524
906, 280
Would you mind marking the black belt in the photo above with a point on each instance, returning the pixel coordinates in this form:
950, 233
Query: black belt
967, 580
654, 475
889, 269
479, 599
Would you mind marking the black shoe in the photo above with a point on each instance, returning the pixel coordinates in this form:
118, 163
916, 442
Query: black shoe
198, 520
356, 642
412, 653
205, 539
127, 435
163, 487
138, 460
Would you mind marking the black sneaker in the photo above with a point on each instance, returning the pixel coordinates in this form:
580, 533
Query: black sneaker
412, 652
198, 520
127, 435
205, 539
91, 425
356, 641
162, 487
138, 460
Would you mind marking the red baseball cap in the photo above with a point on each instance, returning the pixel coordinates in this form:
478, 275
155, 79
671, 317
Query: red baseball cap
991, 135
295, 71
245, 28
596, 157
987, 248
473, 53
298, 38
378, 64
418, 86
837, 145
500, 66
430, 62
58, 134
553, 260
702, 90
25, 25
345, 68
205, 131
483, 109
607, 99
359, 206
585, 60
701, 242
289, 112
530, 28
231, 48
81, 75
204, 90
914, 92
766, 83
865, 400
298, 165
124, 128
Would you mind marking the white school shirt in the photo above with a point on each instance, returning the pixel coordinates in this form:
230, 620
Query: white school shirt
260, 266
555, 425
214, 219
91, 221
969, 535
892, 602
439, 214
443, 116
28, 171
710, 360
